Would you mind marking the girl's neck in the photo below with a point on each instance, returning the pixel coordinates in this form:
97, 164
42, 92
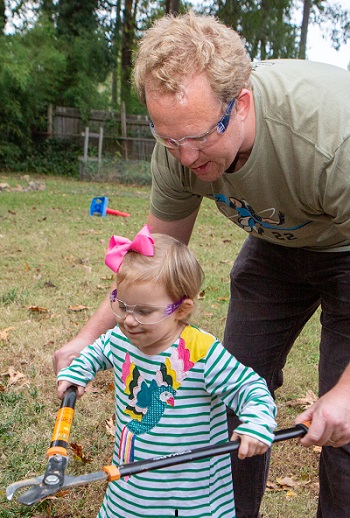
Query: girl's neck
159, 348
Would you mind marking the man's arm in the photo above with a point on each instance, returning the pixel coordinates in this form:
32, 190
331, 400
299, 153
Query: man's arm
180, 229
104, 319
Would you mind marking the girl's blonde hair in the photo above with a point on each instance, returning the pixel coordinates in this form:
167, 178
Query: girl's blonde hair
173, 265
176, 48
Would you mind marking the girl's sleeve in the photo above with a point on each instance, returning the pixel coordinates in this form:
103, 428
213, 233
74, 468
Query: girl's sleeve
243, 390
93, 358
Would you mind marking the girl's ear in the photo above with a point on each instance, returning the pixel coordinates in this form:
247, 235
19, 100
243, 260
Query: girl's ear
185, 309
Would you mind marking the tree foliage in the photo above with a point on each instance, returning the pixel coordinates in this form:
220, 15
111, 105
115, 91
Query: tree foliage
31, 72
79, 53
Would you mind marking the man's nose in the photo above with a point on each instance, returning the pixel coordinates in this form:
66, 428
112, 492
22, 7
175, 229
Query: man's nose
188, 156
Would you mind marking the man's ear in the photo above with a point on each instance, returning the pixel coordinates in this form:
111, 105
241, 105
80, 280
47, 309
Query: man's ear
185, 309
245, 100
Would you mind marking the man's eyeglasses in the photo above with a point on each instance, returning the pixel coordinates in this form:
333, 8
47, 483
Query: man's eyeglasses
195, 142
144, 314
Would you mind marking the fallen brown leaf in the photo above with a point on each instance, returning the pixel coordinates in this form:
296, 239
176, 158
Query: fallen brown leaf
309, 399
91, 389
4, 333
110, 425
286, 482
79, 454
13, 375
78, 307
37, 309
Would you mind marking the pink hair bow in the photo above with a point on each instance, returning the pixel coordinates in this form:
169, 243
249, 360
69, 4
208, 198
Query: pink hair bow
119, 246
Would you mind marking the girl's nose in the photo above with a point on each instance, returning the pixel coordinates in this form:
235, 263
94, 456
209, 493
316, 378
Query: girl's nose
130, 319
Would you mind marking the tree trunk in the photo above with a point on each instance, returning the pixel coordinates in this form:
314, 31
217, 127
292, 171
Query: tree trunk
304, 29
3, 19
172, 6
126, 54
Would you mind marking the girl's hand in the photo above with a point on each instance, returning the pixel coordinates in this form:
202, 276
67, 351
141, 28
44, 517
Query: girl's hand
249, 445
63, 385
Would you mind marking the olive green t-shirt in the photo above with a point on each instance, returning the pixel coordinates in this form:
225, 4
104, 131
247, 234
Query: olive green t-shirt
294, 190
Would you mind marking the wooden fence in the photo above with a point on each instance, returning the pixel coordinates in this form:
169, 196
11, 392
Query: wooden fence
126, 136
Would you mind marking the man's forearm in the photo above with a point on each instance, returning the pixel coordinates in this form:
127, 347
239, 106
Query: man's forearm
102, 320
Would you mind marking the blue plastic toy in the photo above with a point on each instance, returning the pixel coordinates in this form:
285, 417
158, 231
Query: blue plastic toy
99, 207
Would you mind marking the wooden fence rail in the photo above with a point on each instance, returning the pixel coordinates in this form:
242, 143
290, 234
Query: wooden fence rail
127, 136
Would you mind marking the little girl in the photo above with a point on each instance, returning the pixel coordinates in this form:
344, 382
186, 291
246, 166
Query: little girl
172, 382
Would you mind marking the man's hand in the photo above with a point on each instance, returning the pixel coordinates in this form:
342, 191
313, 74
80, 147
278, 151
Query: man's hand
330, 419
64, 356
249, 445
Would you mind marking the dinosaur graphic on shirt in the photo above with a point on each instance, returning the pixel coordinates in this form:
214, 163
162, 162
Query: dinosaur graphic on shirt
249, 220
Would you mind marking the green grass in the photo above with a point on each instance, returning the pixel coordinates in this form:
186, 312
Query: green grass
52, 257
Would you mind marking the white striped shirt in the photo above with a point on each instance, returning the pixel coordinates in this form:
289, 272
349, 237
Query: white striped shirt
198, 377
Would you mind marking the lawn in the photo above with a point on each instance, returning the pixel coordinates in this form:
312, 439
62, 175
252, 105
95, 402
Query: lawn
53, 277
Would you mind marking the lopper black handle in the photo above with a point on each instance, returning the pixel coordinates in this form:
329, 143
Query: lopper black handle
173, 459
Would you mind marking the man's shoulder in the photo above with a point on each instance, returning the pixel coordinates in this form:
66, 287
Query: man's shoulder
298, 73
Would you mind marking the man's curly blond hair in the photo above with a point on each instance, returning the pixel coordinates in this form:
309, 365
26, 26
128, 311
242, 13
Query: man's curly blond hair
175, 49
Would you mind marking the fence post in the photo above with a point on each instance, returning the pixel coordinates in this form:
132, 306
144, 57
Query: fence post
100, 145
86, 144
49, 120
124, 133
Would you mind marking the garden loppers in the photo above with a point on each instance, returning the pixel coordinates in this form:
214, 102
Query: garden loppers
55, 479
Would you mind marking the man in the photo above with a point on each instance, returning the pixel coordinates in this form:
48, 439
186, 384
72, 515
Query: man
270, 145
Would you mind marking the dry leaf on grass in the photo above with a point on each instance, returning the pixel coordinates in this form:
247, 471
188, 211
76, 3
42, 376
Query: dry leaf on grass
79, 454
287, 484
78, 307
309, 399
37, 309
13, 375
110, 425
92, 389
4, 333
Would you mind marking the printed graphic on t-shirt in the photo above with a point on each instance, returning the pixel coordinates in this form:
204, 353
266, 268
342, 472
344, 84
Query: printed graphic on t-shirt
245, 216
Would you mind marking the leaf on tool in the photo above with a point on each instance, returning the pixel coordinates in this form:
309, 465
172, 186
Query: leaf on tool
4, 333
309, 399
79, 454
78, 307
